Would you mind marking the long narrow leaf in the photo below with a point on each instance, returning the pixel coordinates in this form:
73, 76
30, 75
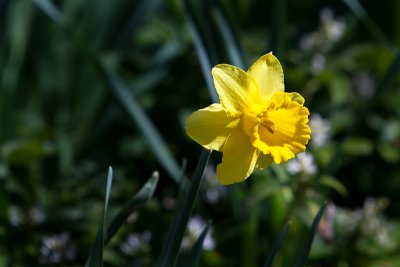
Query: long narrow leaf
177, 228
205, 59
148, 130
278, 19
123, 95
96, 255
50, 10
391, 74
231, 41
303, 256
145, 193
18, 41
197, 248
362, 15
277, 245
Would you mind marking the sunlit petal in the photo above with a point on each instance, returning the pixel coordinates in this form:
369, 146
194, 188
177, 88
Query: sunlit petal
210, 126
268, 73
238, 160
236, 89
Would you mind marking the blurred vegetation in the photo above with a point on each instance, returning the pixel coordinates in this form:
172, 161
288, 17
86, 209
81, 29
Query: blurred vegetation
89, 84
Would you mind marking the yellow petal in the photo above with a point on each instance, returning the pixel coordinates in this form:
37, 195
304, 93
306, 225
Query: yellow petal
238, 160
289, 131
268, 73
210, 126
236, 89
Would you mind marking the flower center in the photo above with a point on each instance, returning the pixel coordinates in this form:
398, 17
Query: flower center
268, 125
252, 123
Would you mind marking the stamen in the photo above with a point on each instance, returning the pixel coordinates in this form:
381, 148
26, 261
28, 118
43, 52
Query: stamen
269, 125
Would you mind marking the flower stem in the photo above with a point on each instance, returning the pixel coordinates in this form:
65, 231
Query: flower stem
169, 253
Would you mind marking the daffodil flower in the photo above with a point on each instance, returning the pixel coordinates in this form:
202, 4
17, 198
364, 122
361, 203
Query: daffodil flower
256, 122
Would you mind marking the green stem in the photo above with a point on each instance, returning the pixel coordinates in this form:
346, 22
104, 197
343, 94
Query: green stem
175, 233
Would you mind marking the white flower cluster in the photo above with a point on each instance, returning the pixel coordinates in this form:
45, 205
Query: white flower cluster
302, 164
320, 130
136, 243
195, 227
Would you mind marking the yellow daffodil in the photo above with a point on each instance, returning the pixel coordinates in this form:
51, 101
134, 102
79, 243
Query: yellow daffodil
256, 122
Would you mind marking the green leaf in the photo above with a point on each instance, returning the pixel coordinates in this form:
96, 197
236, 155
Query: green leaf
303, 256
18, 43
265, 189
148, 130
391, 74
362, 15
96, 254
278, 20
205, 58
358, 146
276, 246
124, 96
197, 248
186, 203
231, 41
145, 193
50, 10
334, 184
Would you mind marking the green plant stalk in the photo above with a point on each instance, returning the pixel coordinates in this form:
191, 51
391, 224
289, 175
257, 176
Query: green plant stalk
305, 251
278, 19
249, 238
170, 250
145, 194
18, 42
276, 246
205, 57
95, 258
197, 248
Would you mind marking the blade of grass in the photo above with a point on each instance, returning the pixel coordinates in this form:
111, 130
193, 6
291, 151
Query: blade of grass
186, 204
277, 245
278, 20
197, 248
206, 62
137, 16
124, 97
18, 41
231, 41
50, 10
362, 15
96, 254
145, 193
148, 130
303, 256
249, 231
391, 74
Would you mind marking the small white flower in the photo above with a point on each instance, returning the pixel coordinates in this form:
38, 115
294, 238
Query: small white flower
364, 84
194, 228
333, 28
57, 248
317, 63
320, 130
213, 190
135, 243
303, 163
